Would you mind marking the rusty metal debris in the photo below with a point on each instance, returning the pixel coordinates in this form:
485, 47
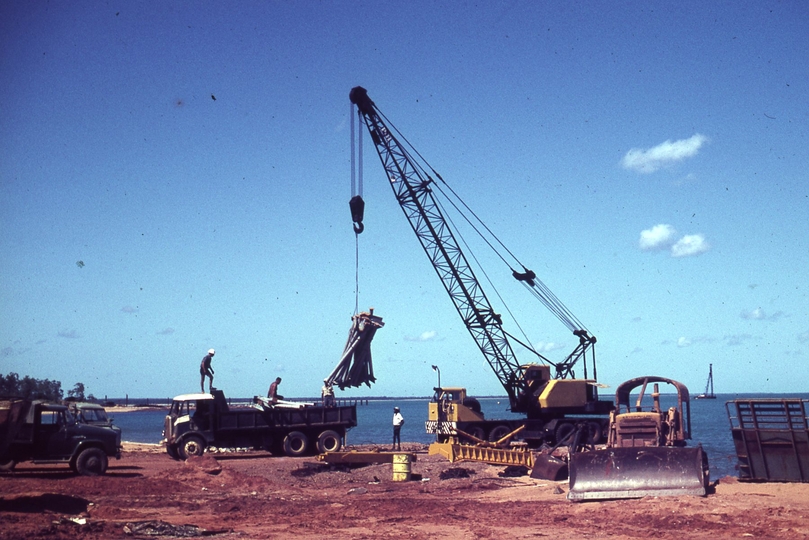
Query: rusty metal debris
161, 528
356, 367
362, 457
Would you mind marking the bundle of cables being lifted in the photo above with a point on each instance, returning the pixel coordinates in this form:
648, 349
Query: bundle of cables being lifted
356, 367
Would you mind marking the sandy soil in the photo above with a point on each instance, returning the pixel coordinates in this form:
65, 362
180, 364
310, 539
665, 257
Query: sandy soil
253, 495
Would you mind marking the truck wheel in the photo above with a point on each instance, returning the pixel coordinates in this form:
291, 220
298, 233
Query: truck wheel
478, 433
329, 441
191, 446
296, 444
563, 432
91, 462
594, 432
498, 432
7, 465
171, 450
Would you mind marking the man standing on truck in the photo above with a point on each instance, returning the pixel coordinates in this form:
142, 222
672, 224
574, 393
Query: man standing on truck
205, 369
327, 394
398, 421
273, 392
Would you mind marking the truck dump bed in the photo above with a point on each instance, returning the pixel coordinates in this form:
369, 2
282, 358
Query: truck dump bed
12, 416
255, 417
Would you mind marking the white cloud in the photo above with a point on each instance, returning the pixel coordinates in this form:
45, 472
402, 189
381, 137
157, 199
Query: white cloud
666, 153
689, 245
658, 237
683, 342
754, 314
759, 314
429, 335
543, 347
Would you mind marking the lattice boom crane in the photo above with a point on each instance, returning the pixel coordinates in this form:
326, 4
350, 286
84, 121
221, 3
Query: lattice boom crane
530, 387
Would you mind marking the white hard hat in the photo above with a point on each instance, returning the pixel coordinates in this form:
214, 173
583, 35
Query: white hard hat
211, 351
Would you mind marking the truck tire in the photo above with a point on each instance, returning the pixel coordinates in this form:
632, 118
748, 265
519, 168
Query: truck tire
498, 432
296, 444
171, 450
329, 441
563, 431
7, 465
594, 432
91, 462
478, 433
191, 446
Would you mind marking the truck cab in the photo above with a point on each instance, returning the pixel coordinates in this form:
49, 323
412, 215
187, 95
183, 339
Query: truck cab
189, 414
49, 433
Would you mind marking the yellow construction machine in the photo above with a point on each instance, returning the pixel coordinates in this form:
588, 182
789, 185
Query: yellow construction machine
646, 451
553, 403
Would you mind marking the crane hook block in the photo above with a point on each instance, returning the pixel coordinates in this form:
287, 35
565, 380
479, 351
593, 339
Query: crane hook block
357, 206
528, 276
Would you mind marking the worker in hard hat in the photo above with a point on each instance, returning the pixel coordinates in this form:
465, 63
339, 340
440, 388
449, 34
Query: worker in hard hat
205, 369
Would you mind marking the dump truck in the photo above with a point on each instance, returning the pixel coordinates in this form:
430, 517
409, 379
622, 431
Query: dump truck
199, 421
553, 402
44, 432
646, 453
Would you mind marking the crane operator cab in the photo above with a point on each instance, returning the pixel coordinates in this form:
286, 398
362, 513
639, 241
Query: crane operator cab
451, 409
451, 404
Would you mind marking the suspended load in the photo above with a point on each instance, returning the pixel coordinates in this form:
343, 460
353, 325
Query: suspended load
356, 367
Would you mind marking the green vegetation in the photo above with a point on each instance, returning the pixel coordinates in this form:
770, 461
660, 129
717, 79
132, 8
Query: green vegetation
12, 385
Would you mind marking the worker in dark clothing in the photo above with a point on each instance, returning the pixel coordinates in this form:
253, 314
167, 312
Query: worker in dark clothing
273, 392
398, 421
205, 369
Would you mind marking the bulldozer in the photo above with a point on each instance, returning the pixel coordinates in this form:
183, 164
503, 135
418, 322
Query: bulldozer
646, 452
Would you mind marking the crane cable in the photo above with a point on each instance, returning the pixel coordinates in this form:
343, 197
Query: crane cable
356, 204
537, 288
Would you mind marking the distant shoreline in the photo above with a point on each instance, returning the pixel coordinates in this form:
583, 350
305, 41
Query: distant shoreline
135, 408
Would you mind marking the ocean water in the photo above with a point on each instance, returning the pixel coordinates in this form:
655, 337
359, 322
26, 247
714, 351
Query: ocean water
709, 424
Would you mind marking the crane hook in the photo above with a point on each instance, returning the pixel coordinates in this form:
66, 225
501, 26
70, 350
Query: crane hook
357, 206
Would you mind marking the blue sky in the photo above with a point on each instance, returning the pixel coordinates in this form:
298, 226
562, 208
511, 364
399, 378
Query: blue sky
647, 160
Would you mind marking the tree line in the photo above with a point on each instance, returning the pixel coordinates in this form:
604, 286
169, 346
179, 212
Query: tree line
12, 385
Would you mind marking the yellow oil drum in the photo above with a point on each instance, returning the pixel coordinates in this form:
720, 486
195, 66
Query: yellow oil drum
401, 467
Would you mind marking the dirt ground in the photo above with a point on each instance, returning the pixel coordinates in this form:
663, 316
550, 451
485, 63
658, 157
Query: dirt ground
254, 495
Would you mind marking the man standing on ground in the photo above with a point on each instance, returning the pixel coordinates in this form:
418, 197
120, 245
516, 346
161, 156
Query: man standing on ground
398, 421
273, 392
205, 369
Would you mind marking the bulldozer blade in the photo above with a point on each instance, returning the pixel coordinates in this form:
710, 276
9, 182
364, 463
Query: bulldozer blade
634, 472
548, 467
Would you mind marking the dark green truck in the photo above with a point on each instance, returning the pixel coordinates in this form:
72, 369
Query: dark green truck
44, 432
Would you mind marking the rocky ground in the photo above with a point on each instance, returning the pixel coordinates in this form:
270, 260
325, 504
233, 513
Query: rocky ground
254, 495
